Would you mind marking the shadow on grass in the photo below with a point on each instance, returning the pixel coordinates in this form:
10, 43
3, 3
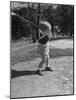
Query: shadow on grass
15, 73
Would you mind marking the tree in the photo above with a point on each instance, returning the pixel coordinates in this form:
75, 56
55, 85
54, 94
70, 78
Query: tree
67, 14
56, 15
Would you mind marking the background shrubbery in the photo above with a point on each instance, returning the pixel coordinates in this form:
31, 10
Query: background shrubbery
61, 17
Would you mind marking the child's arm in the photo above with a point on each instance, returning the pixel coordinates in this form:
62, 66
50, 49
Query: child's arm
42, 36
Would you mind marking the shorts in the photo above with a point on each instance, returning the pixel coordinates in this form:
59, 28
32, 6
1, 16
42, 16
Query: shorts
43, 49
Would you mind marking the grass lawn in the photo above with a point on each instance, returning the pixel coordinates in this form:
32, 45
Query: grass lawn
24, 62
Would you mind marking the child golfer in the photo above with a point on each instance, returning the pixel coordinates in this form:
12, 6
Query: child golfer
43, 46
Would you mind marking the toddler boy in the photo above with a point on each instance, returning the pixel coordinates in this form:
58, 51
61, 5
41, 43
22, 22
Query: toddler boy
43, 46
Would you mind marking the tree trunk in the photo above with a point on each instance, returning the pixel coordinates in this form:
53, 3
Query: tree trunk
38, 20
33, 35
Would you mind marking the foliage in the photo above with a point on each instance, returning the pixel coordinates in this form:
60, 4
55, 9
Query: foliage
57, 15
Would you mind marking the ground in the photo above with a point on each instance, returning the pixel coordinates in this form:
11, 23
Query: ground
24, 62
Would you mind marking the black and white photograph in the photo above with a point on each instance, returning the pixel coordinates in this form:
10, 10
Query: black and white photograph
41, 49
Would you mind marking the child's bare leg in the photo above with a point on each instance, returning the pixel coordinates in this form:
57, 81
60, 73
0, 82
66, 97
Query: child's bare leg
40, 65
42, 62
47, 61
48, 68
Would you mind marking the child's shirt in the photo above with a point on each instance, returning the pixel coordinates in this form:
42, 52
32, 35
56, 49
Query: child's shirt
43, 46
44, 40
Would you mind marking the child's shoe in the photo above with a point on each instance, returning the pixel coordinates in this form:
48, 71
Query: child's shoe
39, 72
48, 69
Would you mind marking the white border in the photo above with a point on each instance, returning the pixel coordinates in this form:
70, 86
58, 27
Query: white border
5, 48
50, 1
